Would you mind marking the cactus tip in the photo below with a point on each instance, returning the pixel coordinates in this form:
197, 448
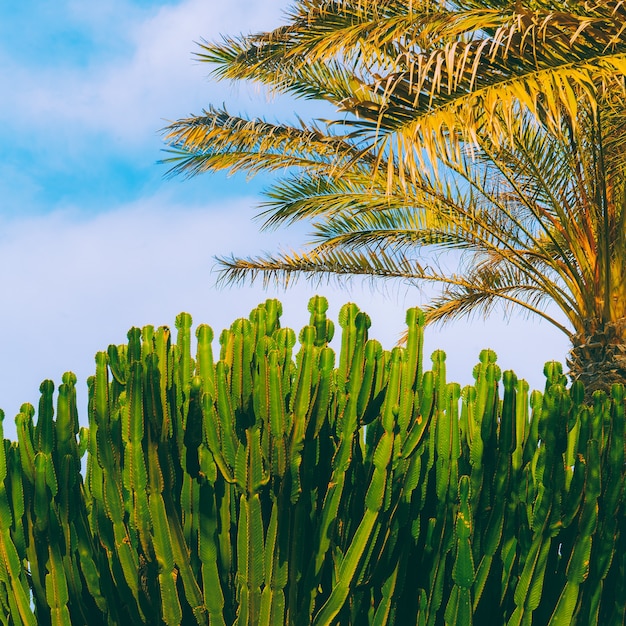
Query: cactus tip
317, 304
274, 306
438, 355
183, 320
69, 378
347, 313
307, 335
510, 379
617, 392
27, 409
415, 316
363, 319
205, 333
577, 392
134, 333
552, 370
487, 356
47, 386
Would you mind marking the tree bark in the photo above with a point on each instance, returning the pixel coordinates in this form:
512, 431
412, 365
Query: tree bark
598, 359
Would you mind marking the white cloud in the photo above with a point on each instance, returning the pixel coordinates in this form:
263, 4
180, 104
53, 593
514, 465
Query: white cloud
129, 98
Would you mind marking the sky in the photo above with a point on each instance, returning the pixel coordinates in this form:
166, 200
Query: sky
95, 239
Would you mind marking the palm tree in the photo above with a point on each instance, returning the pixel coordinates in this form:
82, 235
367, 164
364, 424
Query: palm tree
478, 145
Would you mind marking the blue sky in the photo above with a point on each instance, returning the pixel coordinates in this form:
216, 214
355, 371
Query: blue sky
94, 239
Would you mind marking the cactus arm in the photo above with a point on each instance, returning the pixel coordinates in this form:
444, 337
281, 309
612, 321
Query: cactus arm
212, 438
16, 505
41, 495
123, 546
261, 391
250, 558
24, 425
300, 408
86, 553
183, 342
238, 359
204, 358
135, 456
528, 590
459, 608
162, 350
11, 570
226, 522
226, 414
162, 541
45, 426
322, 409
366, 407
382, 456
347, 570
207, 549
276, 413
347, 316
105, 450
424, 400
272, 611
180, 553
324, 328
411, 370
57, 594
193, 430
67, 420
117, 364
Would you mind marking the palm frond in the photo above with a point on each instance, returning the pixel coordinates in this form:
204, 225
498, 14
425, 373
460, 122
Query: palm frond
283, 269
217, 140
484, 289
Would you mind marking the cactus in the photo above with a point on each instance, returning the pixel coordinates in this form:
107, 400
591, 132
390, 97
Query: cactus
266, 488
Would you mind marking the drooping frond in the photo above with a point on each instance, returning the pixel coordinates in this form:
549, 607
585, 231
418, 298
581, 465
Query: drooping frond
317, 265
484, 288
216, 140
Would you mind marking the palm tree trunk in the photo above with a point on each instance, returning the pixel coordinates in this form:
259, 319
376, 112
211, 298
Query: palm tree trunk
598, 358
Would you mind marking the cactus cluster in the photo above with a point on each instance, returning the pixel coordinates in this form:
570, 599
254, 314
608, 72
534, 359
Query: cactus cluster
277, 486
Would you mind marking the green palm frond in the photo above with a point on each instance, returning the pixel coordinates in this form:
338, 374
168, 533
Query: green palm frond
484, 289
317, 266
265, 63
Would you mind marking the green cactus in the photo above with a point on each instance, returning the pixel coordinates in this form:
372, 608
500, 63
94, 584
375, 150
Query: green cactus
267, 488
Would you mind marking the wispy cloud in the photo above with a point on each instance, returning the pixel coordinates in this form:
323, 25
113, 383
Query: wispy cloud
82, 127
127, 92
